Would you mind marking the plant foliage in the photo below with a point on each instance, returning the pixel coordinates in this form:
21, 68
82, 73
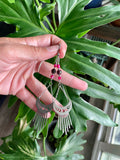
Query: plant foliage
21, 145
30, 17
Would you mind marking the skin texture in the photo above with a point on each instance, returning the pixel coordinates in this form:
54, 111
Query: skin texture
20, 58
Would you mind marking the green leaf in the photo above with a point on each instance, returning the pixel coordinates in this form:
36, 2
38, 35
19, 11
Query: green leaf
71, 145
21, 146
79, 122
11, 1
57, 132
22, 14
96, 47
46, 10
23, 110
101, 92
78, 63
25, 149
115, 2
45, 130
30, 115
117, 106
12, 101
84, 111
78, 20
45, 1
82, 34
65, 8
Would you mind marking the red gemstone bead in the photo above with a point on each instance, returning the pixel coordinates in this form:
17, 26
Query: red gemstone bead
59, 78
55, 65
53, 71
59, 72
58, 66
52, 76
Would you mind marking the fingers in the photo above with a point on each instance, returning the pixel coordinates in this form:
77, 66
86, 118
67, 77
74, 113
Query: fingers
25, 96
41, 91
39, 41
38, 88
47, 40
67, 79
20, 52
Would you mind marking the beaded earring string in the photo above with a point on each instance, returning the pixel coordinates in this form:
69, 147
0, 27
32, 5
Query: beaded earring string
64, 121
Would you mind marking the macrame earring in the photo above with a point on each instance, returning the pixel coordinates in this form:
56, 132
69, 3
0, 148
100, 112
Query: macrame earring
64, 121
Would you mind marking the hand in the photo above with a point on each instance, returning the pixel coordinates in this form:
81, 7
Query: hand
20, 58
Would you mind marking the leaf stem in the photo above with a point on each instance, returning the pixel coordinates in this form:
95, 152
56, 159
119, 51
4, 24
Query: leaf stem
116, 42
37, 2
54, 20
44, 147
48, 22
47, 30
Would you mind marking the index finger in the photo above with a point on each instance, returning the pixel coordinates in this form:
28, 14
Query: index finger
67, 79
39, 41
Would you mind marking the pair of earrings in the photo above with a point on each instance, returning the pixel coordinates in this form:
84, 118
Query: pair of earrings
64, 121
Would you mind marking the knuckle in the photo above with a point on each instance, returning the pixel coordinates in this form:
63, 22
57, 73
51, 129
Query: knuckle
35, 52
7, 49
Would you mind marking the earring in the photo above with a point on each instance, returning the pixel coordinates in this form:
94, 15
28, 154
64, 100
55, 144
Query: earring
40, 119
64, 120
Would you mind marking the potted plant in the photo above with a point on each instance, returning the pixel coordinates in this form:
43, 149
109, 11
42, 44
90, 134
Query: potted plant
30, 17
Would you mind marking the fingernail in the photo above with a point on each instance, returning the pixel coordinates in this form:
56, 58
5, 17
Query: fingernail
53, 48
64, 51
85, 86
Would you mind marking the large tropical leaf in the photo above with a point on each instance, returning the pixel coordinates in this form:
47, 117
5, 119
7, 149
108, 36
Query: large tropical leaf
101, 92
22, 14
66, 7
78, 20
96, 47
84, 111
78, 64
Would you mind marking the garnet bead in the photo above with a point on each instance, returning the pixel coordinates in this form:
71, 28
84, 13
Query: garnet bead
59, 72
53, 71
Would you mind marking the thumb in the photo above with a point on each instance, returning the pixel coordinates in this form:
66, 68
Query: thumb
40, 53
26, 52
